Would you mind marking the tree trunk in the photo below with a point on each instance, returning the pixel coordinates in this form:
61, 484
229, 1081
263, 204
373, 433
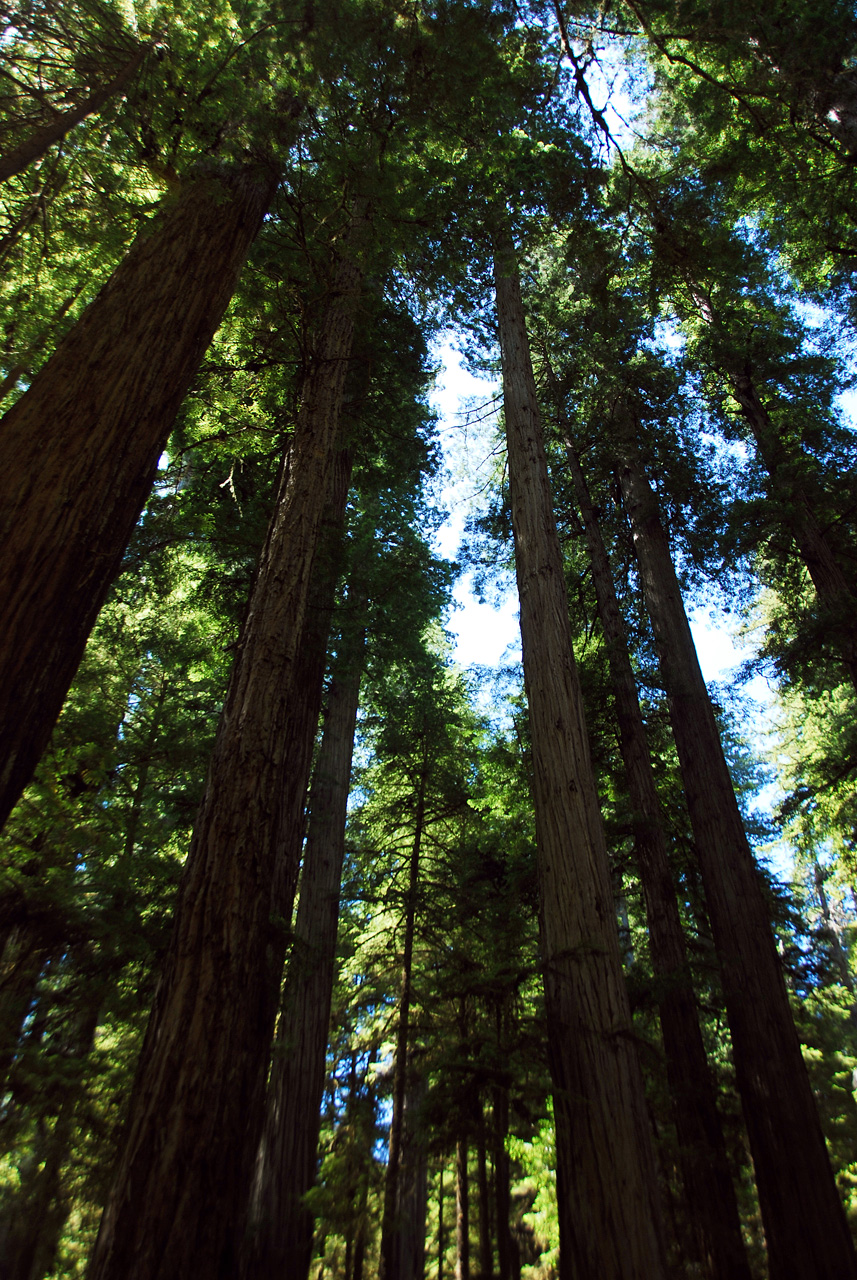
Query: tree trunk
308, 676
79, 450
441, 1240
413, 1179
502, 1181
462, 1211
805, 1225
485, 1251
42, 138
393, 1228
281, 1225
24, 957
33, 1218
605, 1159
835, 591
832, 931
708, 1187
184, 1177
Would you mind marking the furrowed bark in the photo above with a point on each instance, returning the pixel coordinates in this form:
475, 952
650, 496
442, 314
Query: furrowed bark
709, 1192
184, 1176
41, 139
310, 663
605, 1160
804, 1222
79, 450
280, 1243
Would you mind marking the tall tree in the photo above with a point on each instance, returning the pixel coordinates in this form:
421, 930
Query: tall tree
711, 1202
805, 1225
80, 449
605, 1159
194, 1187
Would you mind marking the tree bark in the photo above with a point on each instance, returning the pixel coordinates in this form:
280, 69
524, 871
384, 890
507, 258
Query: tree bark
709, 1191
280, 1245
413, 1179
805, 1225
310, 664
485, 1251
184, 1176
79, 450
462, 1210
38, 142
441, 1239
502, 1180
393, 1226
605, 1159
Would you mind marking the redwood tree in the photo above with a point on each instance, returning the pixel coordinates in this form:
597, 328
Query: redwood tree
604, 1154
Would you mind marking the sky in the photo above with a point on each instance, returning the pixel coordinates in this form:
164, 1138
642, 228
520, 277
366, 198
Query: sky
486, 636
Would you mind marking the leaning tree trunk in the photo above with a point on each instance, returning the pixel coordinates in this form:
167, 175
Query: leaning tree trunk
709, 1191
834, 589
38, 142
184, 1175
804, 1222
281, 1225
605, 1159
79, 450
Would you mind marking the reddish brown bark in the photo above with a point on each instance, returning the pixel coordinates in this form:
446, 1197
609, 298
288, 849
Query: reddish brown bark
184, 1175
38, 142
709, 1193
281, 1225
805, 1225
79, 451
605, 1160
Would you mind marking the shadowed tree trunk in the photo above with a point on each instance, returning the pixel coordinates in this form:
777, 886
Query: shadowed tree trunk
23, 960
413, 1177
394, 1229
805, 1225
33, 1218
280, 1244
485, 1250
441, 1236
79, 450
709, 1192
308, 676
38, 142
605, 1159
502, 1182
184, 1176
462, 1211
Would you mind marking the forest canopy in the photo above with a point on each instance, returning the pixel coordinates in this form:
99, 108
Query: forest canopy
319, 954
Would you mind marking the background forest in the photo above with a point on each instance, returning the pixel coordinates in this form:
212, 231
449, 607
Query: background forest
318, 954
